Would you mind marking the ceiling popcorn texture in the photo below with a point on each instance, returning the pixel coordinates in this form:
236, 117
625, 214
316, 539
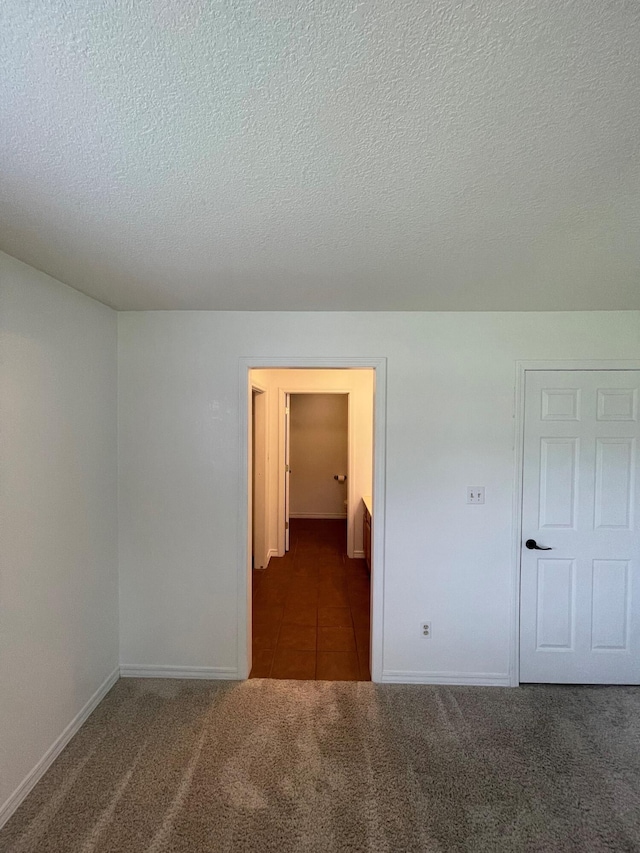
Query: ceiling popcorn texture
325, 155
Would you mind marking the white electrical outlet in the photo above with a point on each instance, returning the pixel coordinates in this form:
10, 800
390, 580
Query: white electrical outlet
425, 630
475, 494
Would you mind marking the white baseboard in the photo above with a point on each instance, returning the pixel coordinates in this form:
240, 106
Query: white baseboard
358, 554
209, 672
34, 776
479, 679
317, 515
272, 552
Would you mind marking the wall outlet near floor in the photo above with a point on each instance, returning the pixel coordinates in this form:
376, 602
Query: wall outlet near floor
475, 494
425, 630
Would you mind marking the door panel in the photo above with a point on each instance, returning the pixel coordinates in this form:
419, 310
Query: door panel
555, 605
614, 464
558, 487
579, 608
610, 596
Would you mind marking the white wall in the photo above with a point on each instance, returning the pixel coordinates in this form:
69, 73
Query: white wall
59, 596
319, 450
450, 403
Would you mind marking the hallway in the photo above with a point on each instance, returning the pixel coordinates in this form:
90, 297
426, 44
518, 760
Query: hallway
311, 608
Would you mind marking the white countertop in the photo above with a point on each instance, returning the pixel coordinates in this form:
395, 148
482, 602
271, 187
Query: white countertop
368, 502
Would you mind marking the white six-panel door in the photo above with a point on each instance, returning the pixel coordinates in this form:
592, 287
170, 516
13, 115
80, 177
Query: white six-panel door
580, 601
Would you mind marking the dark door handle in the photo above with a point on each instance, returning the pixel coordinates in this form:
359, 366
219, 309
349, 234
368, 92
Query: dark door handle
532, 545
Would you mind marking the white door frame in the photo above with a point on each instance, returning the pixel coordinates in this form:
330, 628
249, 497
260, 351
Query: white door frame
522, 367
379, 365
283, 391
283, 510
261, 390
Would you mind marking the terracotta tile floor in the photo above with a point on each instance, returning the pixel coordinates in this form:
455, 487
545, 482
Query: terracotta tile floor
311, 608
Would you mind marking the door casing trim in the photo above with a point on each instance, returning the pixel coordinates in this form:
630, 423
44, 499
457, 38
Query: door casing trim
522, 367
260, 389
243, 574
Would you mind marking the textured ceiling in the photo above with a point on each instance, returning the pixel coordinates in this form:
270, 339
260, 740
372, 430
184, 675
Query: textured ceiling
325, 154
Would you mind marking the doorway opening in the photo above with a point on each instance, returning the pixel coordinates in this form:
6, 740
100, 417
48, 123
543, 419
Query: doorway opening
310, 588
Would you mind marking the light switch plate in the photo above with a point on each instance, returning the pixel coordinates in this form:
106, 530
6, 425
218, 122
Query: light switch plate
475, 494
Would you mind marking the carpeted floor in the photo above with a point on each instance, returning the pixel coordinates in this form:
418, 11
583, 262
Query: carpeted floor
283, 766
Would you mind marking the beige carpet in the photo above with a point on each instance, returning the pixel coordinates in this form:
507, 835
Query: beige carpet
284, 766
